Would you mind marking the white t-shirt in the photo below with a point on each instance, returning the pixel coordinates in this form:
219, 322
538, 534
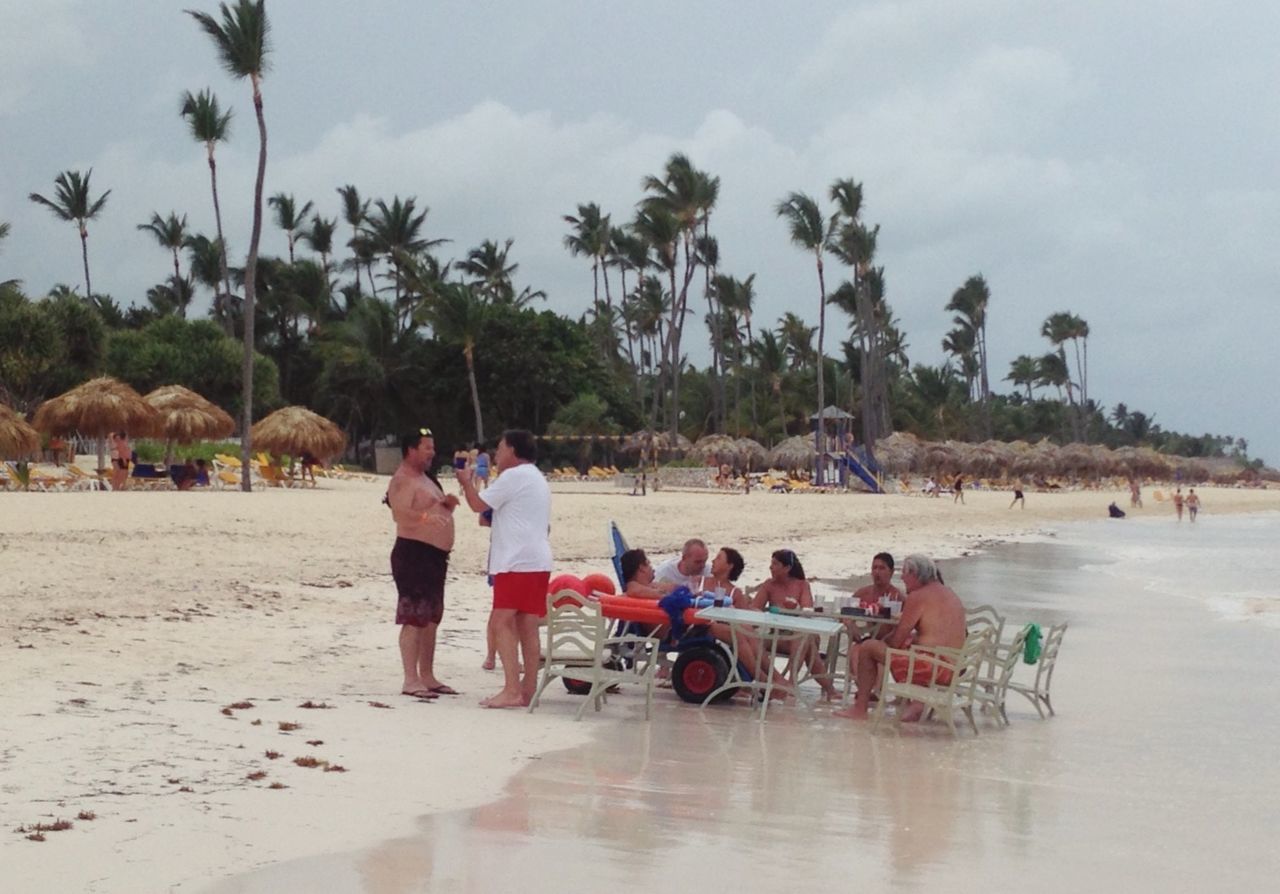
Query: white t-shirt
521, 503
670, 571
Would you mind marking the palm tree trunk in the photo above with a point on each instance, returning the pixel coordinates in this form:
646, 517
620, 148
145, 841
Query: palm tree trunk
822, 394
475, 392
221, 303
250, 286
84, 253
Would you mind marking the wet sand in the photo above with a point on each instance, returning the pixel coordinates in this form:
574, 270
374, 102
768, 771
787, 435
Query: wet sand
1151, 777
130, 624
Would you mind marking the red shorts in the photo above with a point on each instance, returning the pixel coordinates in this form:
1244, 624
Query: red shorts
921, 671
524, 591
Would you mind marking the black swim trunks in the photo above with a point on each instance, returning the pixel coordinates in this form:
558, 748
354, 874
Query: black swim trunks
419, 570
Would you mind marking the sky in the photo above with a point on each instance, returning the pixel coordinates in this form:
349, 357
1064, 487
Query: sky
1114, 160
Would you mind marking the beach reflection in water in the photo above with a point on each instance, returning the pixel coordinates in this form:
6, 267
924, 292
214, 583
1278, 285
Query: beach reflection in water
1148, 778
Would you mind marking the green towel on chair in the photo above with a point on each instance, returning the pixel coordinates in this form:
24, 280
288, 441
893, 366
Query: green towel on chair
1031, 648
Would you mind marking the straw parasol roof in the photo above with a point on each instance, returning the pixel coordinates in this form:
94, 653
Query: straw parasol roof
752, 452
16, 437
990, 459
659, 441
95, 408
292, 430
1079, 460
796, 452
899, 453
721, 448
944, 457
184, 416
1143, 462
1038, 459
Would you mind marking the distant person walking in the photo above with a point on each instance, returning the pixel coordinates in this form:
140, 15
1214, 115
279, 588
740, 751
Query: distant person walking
420, 560
519, 560
1193, 504
1018, 497
121, 453
1177, 502
1135, 493
958, 489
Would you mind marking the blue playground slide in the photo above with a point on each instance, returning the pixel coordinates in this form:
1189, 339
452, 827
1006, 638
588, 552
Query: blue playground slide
850, 462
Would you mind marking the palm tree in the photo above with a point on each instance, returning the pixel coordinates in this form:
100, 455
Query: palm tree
490, 272
4, 234
72, 203
354, 212
969, 303
241, 39
211, 126
456, 315
320, 239
172, 296
811, 232
590, 238
289, 217
770, 358
395, 232
1024, 371
796, 338
170, 232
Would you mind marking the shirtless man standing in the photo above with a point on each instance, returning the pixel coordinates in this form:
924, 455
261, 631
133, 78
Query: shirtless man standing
121, 454
1177, 503
419, 561
932, 613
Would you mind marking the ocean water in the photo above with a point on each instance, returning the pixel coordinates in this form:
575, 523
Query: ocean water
1158, 772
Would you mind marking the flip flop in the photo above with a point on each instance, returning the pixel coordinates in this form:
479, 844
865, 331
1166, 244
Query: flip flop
422, 695
443, 689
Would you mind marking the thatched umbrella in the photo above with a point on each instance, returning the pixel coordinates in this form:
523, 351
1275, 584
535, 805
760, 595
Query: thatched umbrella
96, 408
990, 459
1039, 459
1143, 462
184, 416
752, 452
1077, 460
721, 448
944, 457
899, 453
650, 444
293, 430
794, 453
16, 437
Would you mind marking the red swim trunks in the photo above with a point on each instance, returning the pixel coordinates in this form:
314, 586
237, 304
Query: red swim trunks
922, 673
524, 591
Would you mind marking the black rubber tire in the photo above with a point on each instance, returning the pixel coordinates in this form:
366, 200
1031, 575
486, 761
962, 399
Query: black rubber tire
576, 687
698, 672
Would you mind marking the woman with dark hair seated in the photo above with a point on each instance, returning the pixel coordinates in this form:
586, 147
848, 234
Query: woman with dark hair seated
637, 579
788, 590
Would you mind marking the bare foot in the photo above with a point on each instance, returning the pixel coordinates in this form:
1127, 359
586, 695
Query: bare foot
489, 664
853, 712
504, 700
912, 713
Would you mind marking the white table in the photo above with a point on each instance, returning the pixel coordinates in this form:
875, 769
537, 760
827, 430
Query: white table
771, 629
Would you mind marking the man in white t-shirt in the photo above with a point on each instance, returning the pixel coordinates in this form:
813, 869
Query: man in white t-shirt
690, 568
519, 560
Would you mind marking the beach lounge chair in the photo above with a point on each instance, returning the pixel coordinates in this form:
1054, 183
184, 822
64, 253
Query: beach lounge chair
997, 670
274, 476
82, 480
579, 647
941, 698
1038, 691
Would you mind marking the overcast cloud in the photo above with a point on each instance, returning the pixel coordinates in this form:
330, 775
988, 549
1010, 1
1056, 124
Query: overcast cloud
1114, 160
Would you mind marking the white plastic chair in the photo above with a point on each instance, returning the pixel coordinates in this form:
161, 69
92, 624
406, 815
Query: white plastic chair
984, 616
942, 699
992, 684
1038, 691
579, 647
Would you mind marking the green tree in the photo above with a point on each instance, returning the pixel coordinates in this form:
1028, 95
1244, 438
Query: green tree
1024, 372
591, 238
211, 126
242, 43
289, 217
811, 232
457, 315
354, 212
969, 304
72, 202
320, 239
170, 233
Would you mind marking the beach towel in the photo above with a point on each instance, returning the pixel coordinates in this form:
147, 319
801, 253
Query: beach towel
1031, 647
674, 604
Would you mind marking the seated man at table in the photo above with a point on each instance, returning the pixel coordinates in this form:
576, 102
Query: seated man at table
881, 585
932, 616
686, 570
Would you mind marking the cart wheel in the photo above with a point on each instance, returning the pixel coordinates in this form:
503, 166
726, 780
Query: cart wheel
699, 672
576, 687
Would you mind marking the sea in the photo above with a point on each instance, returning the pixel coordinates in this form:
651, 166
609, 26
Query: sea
1158, 772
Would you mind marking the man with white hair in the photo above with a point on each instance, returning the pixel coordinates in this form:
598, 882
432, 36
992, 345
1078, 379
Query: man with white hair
931, 616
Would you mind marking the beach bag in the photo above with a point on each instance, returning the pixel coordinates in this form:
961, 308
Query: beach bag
1031, 648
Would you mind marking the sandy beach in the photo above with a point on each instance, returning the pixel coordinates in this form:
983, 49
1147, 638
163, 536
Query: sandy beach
133, 623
